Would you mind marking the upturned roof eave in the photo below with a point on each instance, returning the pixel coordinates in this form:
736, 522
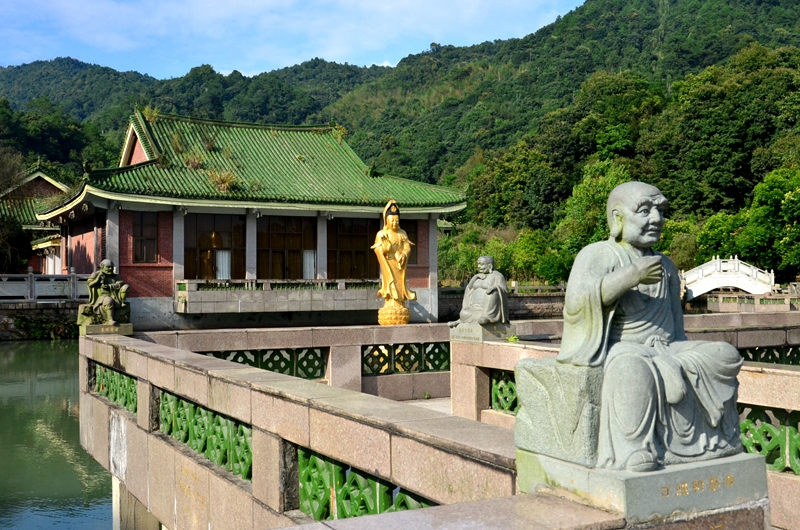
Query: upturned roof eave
291, 206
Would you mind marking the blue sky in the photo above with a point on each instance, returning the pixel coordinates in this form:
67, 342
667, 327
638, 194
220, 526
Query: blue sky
165, 38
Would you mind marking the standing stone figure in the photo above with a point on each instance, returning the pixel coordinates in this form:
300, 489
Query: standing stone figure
392, 248
485, 296
664, 399
107, 295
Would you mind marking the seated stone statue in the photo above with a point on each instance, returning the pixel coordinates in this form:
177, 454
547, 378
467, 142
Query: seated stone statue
485, 296
107, 295
664, 399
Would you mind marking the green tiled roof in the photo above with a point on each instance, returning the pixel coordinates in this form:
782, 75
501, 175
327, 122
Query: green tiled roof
23, 210
45, 239
311, 165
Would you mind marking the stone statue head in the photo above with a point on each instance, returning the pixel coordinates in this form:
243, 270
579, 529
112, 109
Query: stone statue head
107, 266
635, 213
485, 264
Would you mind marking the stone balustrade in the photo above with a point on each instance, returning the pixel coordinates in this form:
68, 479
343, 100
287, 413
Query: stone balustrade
30, 287
435, 456
257, 296
351, 354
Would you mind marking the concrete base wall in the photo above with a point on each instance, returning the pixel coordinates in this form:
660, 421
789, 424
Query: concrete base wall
57, 314
153, 314
520, 306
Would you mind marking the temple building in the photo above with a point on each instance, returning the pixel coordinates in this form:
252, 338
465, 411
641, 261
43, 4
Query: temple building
19, 202
213, 221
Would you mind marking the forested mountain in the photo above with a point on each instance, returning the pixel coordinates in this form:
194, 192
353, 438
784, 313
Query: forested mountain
700, 97
424, 118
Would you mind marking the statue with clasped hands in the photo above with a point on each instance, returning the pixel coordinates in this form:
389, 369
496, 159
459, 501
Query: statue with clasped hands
664, 399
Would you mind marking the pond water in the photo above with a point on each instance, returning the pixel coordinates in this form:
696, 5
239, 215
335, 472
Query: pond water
46, 479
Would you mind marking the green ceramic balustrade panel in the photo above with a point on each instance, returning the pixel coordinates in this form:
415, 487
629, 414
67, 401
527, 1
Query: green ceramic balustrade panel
222, 440
772, 432
116, 387
332, 490
384, 359
773, 354
504, 392
308, 363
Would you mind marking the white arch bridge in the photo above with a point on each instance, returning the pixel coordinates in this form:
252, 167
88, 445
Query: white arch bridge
731, 272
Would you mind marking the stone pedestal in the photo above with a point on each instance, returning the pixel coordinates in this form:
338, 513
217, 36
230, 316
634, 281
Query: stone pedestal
106, 329
677, 490
477, 333
560, 414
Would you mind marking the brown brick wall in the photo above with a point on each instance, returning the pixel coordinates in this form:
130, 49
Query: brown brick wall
146, 279
82, 243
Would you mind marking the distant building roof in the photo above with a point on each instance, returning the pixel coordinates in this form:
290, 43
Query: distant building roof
52, 240
193, 161
21, 200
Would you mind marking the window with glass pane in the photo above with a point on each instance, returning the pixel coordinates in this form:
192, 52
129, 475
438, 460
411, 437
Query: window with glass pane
286, 248
349, 252
214, 246
145, 237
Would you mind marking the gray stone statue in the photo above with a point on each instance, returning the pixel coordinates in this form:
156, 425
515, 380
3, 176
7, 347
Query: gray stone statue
107, 295
663, 399
485, 296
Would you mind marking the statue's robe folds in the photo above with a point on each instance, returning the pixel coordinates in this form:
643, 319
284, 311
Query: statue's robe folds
672, 397
389, 246
482, 306
105, 291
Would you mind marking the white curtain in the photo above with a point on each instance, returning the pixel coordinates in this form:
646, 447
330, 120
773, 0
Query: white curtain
223, 264
309, 264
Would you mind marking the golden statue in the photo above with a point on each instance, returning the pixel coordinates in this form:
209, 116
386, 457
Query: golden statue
392, 248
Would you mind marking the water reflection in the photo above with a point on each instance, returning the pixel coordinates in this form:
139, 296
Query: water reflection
46, 479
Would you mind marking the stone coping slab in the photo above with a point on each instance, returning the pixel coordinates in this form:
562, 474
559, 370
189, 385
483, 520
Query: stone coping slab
531, 512
485, 442
385, 412
657, 495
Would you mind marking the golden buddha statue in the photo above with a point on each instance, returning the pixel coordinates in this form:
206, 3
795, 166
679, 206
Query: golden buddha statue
392, 248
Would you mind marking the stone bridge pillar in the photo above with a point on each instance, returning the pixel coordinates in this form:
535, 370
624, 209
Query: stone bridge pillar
128, 512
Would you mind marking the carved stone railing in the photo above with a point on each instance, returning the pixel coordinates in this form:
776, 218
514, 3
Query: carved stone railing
400, 363
215, 444
248, 296
27, 287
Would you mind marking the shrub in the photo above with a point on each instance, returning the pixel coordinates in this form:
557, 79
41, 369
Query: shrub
222, 179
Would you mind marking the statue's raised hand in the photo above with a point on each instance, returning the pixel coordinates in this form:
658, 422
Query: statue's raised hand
650, 269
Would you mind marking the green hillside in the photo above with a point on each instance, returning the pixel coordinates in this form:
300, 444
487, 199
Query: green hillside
700, 97
424, 118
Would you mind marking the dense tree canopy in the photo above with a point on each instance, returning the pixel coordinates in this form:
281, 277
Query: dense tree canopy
698, 97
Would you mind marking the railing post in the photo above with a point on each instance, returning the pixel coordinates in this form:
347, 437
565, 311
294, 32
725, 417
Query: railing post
31, 285
73, 284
